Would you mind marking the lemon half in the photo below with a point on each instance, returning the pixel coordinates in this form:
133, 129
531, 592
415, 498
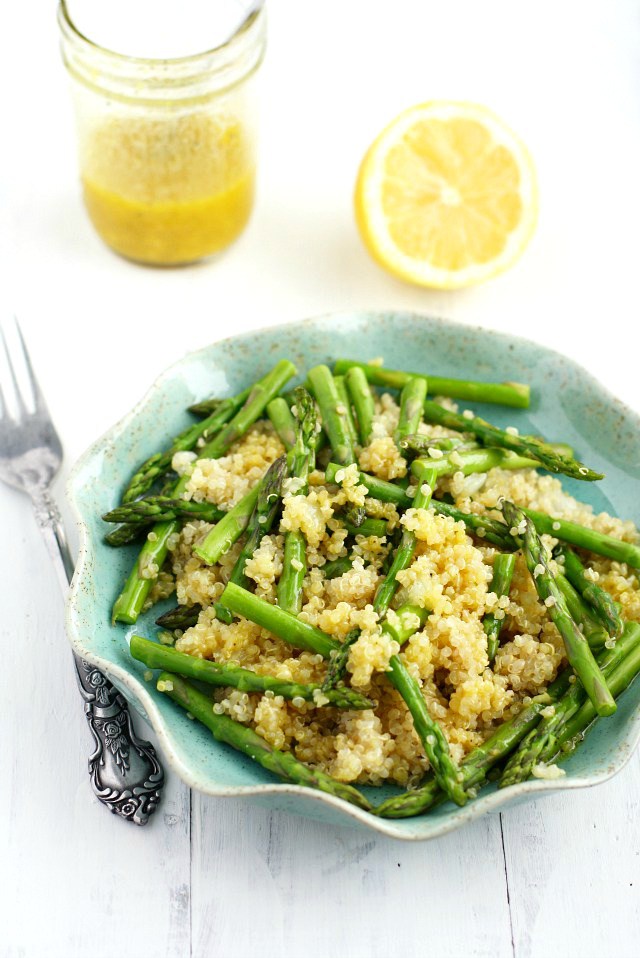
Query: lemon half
446, 196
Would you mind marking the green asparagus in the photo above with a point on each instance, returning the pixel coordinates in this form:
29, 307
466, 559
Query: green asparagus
206, 406
506, 394
468, 461
412, 398
163, 509
337, 567
584, 538
301, 462
503, 568
579, 654
245, 740
260, 523
593, 631
125, 534
528, 446
345, 404
180, 617
156, 656
363, 403
283, 422
283, 624
602, 604
223, 535
334, 414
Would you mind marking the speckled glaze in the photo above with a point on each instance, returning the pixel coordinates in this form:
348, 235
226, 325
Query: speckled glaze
568, 404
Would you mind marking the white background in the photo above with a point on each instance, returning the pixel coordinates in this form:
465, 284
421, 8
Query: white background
555, 877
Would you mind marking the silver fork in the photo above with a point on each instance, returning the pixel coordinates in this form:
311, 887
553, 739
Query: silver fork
125, 772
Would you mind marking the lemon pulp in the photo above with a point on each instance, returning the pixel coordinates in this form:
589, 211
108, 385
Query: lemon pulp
170, 190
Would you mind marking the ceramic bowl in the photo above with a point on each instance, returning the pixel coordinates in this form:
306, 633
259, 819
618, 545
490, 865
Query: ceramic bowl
567, 404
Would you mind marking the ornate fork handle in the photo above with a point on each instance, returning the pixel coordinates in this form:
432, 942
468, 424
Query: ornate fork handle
125, 773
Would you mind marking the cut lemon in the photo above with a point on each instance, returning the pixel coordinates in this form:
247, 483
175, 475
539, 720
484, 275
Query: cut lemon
446, 196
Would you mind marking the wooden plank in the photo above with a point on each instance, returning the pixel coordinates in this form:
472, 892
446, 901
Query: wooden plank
274, 884
573, 863
77, 881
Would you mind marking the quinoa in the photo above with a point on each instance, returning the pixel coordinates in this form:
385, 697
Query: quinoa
449, 576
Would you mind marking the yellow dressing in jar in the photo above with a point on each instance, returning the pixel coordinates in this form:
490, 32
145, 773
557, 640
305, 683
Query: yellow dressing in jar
171, 190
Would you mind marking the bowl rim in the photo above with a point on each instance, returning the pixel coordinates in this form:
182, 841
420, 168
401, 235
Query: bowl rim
477, 807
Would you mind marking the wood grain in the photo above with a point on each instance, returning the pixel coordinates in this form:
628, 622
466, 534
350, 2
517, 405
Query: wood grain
317, 890
573, 871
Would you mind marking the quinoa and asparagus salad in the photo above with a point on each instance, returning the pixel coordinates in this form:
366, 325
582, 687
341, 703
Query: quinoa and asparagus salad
375, 586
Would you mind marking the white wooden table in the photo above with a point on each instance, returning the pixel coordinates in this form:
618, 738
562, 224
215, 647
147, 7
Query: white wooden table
212, 878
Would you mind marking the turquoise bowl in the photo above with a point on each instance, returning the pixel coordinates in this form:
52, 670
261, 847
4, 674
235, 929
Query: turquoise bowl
567, 404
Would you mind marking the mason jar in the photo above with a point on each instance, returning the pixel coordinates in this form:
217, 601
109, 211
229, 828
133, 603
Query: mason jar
167, 147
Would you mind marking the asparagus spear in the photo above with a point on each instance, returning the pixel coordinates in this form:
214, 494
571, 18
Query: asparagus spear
125, 534
260, 523
301, 461
180, 617
354, 515
368, 527
260, 395
163, 509
223, 535
593, 631
541, 743
406, 549
417, 443
131, 600
503, 568
412, 398
363, 403
157, 656
602, 604
283, 624
160, 463
284, 424
345, 403
433, 739
577, 648
507, 394
246, 740
475, 766
206, 406
468, 461
491, 530
621, 677
337, 567
584, 538
334, 414
528, 446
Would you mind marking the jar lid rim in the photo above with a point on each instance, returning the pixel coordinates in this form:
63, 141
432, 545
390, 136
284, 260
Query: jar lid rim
70, 30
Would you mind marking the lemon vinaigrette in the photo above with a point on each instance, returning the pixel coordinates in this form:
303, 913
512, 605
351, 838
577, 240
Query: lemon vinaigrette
168, 191
166, 146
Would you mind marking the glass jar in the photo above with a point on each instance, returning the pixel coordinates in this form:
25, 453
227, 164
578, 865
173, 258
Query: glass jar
167, 148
